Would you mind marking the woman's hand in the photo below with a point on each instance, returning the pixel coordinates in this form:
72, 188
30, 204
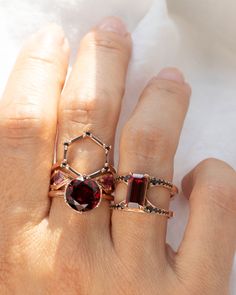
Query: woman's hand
45, 246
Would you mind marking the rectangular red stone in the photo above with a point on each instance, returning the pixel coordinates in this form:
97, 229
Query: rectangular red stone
136, 192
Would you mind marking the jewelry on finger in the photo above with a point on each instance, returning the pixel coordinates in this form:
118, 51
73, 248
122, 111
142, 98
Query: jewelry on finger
136, 197
83, 192
106, 148
152, 182
143, 209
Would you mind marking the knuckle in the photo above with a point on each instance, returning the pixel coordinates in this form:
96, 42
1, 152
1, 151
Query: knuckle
218, 184
172, 89
147, 141
105, 41
221, 195
85, 108
22, 121
40, 60
46, 64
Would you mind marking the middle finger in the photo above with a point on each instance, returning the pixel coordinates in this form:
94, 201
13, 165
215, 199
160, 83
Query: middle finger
91, 102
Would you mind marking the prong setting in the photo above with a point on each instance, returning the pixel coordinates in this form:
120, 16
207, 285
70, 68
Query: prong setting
83, 192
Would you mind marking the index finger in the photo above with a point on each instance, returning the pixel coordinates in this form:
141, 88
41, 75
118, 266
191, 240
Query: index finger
28, 119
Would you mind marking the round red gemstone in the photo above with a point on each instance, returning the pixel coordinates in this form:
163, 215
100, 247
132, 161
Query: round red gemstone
82, 195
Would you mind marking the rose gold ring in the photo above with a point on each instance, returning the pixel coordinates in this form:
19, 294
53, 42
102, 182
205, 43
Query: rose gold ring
83, 192
149, 208
150, 181
136, 197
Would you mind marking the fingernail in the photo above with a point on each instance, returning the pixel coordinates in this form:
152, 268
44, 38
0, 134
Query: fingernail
172, 74
113, 24
52, 34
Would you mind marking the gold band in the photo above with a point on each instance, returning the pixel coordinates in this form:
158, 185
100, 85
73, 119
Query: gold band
143, 209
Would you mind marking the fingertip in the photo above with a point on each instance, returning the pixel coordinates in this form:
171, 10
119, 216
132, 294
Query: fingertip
50, 37
109, 39
110, 31
113, 24
172, 74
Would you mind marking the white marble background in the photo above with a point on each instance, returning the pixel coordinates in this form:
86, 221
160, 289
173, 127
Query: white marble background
197, 36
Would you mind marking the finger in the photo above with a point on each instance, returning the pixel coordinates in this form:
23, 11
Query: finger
28, 116
91, 102
210, 237
148, 144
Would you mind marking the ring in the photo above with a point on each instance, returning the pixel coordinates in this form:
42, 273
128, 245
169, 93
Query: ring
143, 209
80, 191
136, 197
152, 181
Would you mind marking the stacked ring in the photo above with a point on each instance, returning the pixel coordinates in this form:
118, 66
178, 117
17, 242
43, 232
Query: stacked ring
143, 209
136, 198
80, 191
152, 181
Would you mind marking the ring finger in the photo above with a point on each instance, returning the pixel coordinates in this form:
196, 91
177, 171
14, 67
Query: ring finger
148, 144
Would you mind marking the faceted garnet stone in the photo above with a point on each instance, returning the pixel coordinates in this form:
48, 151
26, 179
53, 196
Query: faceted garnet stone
137, 187
57, 178
107, 182
83, 195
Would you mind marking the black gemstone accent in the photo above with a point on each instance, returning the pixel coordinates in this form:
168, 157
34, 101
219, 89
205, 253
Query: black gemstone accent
126, 178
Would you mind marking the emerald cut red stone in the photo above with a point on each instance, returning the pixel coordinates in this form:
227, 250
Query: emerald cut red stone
137, 187
83, 195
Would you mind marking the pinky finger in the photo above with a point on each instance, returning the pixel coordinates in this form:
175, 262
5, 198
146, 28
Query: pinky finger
209, 243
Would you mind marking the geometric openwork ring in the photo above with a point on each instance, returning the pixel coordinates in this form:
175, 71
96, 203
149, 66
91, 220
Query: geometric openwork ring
96, 140
83, 192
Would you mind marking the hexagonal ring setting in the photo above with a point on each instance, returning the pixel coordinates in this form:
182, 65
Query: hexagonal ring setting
83, 192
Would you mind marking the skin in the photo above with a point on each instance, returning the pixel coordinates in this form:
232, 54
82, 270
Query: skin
47, 248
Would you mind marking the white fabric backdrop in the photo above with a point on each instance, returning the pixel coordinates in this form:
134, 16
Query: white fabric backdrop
197, 36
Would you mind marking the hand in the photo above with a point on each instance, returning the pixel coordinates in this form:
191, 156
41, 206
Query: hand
45, 246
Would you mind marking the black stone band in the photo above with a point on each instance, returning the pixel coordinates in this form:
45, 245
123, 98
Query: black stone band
144, 209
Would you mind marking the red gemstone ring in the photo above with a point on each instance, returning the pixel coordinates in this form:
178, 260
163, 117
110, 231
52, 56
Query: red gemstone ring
136, 198
83, 192
148, 181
